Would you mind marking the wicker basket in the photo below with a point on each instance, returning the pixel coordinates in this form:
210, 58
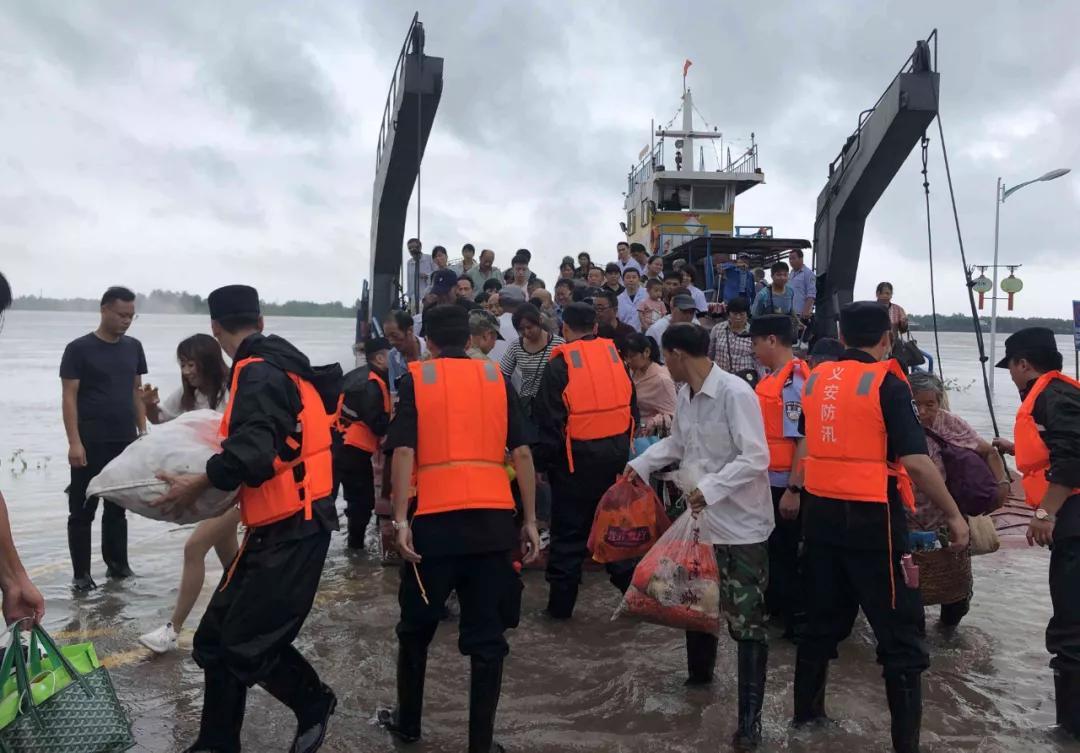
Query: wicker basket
944, 576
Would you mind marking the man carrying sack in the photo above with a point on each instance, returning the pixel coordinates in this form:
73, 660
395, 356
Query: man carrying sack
276, 450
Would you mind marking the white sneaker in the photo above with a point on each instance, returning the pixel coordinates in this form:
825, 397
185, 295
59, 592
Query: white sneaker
160, 641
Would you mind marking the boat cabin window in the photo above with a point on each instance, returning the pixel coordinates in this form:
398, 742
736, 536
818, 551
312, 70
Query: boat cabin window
630, 227
710, 197
674, 198
645, 207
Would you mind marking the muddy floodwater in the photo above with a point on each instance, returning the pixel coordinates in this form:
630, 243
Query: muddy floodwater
587, 685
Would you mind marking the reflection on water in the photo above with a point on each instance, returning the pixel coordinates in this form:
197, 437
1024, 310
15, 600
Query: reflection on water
590, 685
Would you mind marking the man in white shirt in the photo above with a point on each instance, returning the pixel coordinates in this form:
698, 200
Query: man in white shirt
683, 311
632, 295
417, 260
718, 426
625, 261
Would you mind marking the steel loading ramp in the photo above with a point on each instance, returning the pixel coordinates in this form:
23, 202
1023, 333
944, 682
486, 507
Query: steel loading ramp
413, 98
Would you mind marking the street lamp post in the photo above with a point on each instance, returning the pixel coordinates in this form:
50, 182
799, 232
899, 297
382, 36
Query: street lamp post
1001, 195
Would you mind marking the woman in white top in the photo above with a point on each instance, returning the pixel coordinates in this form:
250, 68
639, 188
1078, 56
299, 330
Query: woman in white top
204, 378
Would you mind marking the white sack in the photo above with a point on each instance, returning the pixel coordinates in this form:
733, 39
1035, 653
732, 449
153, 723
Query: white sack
182, 445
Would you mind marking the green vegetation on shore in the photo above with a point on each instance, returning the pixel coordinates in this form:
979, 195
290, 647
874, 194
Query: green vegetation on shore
170, 302
962, 323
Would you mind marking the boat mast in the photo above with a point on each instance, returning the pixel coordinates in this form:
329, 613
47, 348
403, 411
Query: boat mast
688, 128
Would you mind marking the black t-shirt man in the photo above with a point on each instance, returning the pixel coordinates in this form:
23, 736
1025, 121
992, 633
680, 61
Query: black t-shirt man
459, 531
859, 525
107, 372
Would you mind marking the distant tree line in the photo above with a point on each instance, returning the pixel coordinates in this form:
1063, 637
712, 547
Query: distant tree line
962, 323
172, 302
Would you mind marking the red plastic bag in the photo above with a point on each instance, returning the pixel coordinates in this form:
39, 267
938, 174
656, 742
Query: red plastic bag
678, 582
628, 521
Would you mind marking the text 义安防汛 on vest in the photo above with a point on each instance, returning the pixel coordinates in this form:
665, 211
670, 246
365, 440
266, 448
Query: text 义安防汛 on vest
303, 473
770, 393
846, 440
1032, 454
461, 415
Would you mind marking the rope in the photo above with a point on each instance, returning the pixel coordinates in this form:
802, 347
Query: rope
930, 246
970, 282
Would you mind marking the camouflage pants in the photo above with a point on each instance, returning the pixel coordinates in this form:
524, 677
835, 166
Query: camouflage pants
744, 577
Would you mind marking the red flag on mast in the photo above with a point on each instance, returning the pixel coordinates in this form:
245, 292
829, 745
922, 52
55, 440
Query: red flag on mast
686, 66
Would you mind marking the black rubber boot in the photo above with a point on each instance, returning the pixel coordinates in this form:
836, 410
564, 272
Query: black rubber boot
404, 721
79, 548
296, 684
904, 691
811, 677
951, 614
700, 657
561, 600
114, 541
358, 524
753, 662
1067, 698
224, 701
485, 684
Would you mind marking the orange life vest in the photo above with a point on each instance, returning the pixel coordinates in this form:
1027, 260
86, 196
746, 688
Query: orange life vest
357, 433
597, 394
461, 436
846, 440
770, 392
298, 482
1032, 454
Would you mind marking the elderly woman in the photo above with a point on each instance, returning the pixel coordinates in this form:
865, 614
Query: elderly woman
929, 394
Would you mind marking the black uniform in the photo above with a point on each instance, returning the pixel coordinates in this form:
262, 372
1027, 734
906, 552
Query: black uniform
848, 564
1058, 410
598, 463
846, 559
363, 401
471, 553
245, 637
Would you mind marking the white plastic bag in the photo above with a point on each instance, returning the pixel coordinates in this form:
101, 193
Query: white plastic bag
182, 445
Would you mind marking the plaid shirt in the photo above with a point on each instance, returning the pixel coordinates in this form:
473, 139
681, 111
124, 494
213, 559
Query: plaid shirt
731, 352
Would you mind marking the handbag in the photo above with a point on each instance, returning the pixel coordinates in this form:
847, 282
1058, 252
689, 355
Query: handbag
62, 708
967, 477
908, 353
984, 535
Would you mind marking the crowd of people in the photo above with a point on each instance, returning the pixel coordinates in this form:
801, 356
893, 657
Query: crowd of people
504, 413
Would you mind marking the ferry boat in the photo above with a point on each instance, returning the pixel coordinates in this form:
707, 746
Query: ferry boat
681, 205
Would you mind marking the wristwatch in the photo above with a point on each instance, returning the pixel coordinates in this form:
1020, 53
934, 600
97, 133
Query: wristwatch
795, 489
399, 525
1042, 514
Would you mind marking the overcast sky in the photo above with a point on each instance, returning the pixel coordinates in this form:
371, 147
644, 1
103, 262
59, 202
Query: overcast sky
188, 145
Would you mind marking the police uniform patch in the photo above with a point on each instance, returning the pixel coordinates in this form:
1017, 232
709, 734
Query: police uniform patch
793, 410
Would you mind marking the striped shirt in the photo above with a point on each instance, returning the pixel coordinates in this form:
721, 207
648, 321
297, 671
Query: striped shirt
530, 366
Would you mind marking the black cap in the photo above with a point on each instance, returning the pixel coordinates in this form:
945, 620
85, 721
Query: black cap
446, 323
234, 300
374, 345
580, 316
443, 281
827, 349
1030, 341
864, 320
772, 324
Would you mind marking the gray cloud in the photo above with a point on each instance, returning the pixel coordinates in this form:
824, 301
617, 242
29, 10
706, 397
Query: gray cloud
240, 137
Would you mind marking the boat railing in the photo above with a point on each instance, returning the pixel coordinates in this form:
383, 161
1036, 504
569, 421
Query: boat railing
753, 231
923, 58
649, 164
747, 163
415, 37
